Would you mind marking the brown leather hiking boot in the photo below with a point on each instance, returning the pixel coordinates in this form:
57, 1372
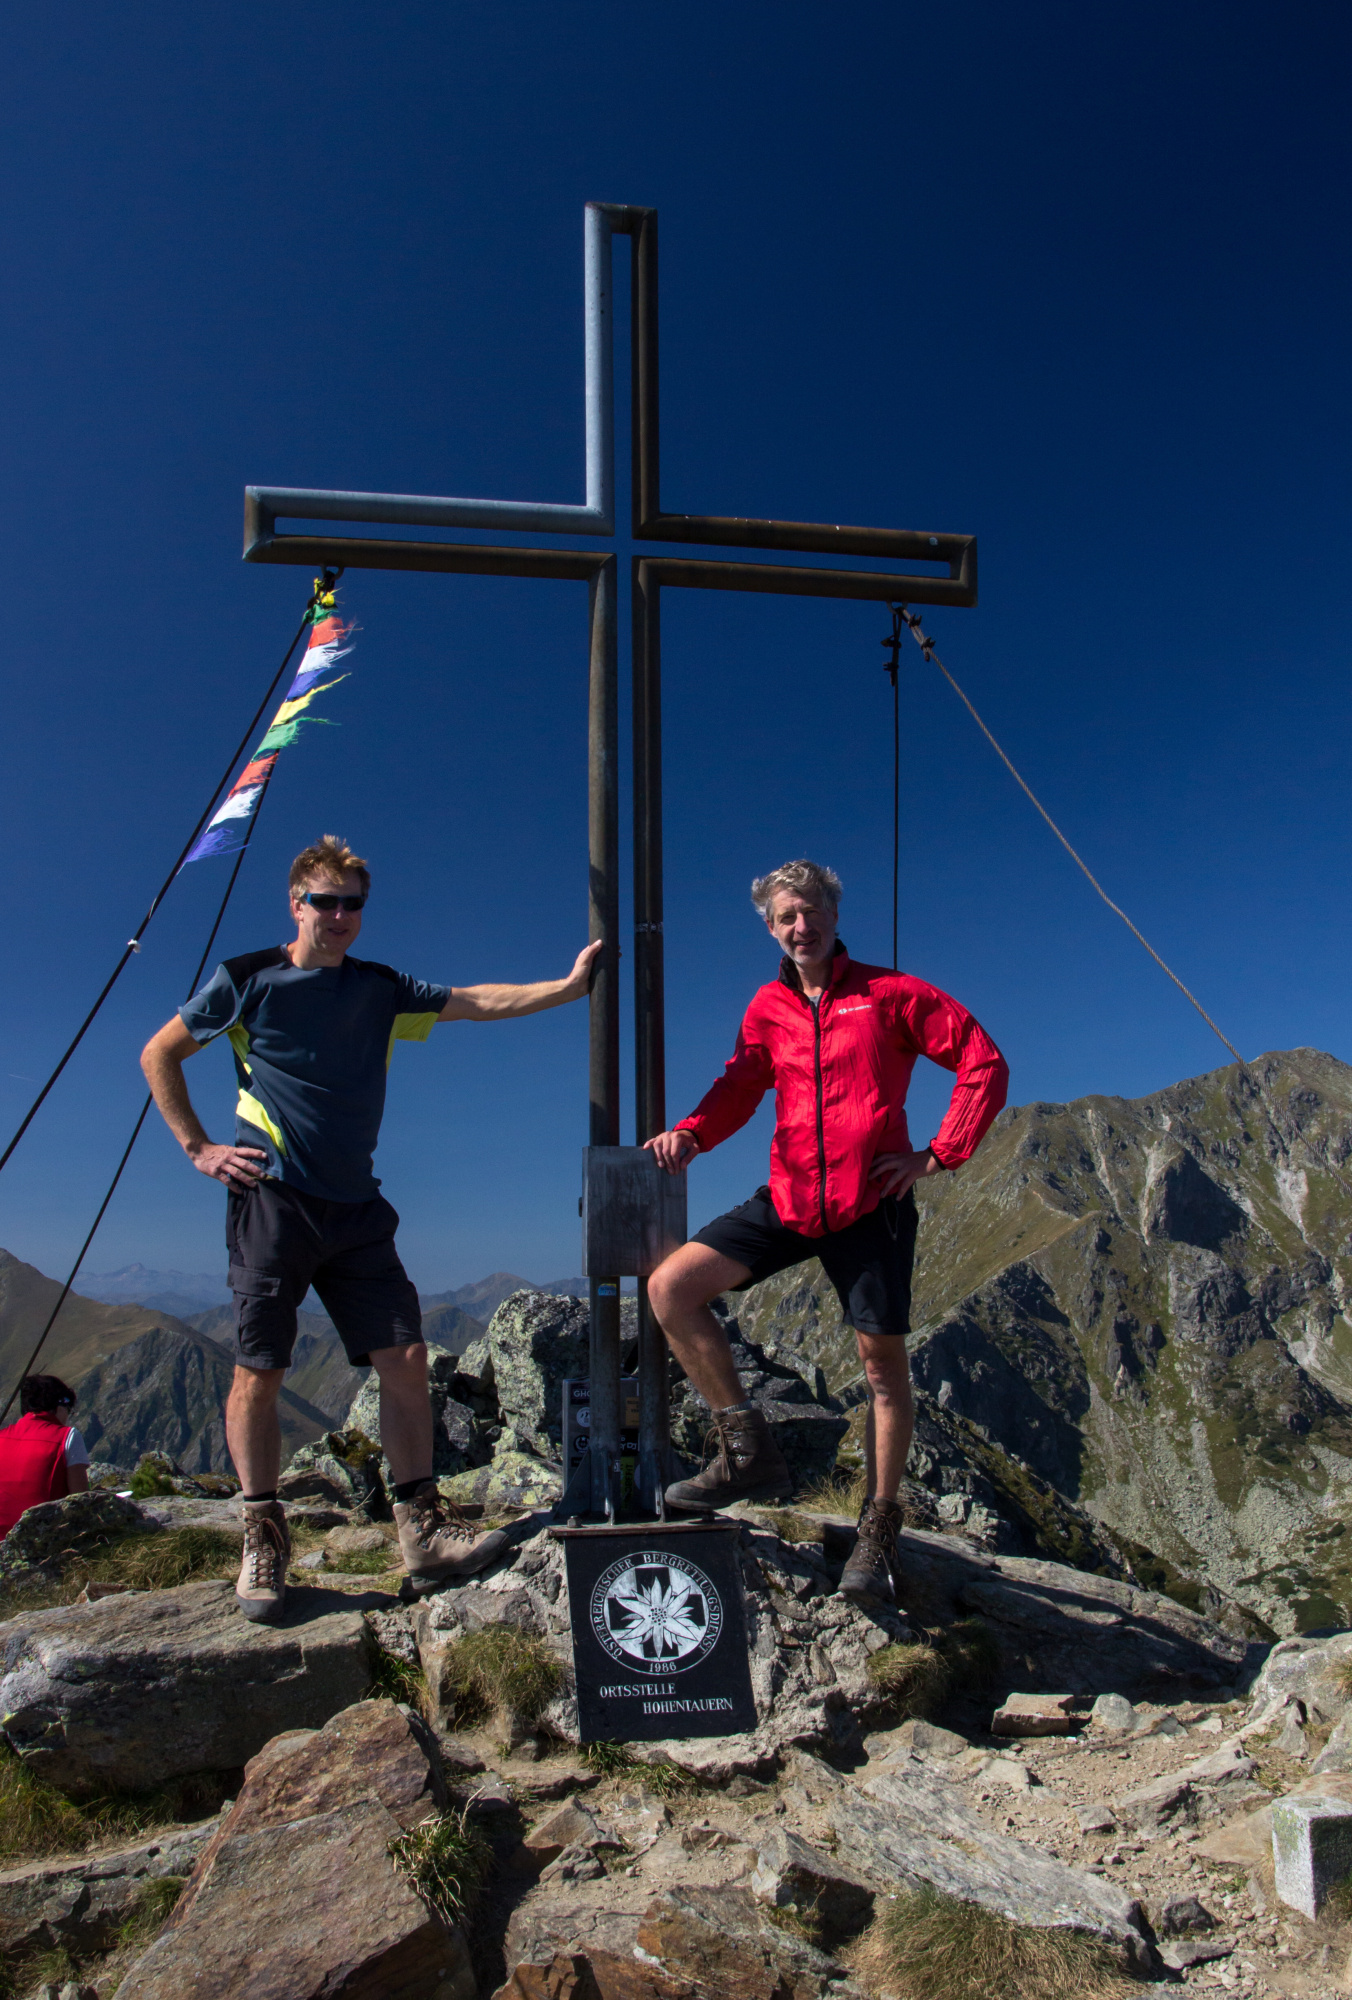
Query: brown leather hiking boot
749, 1466
870, 1575
261, 1590
438, 1544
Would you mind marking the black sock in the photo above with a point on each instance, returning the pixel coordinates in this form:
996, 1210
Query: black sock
257, 1499
406, 1488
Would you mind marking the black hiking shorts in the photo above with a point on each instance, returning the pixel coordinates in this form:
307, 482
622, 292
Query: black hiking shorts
282, 1241
869, 1263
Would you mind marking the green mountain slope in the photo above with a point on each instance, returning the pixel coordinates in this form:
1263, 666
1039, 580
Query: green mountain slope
1144, 1300
145, 1380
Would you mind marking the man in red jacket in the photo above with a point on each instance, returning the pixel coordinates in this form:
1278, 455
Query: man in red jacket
838, 1042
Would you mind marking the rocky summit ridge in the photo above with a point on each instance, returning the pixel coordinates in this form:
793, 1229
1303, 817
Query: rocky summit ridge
1143, 1304
362, 1828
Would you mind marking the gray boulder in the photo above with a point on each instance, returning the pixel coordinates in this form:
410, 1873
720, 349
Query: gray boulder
464, 1417
79, 1905
792, 1874
147, 1686
344, 1465
907, 1829
1313, 1675
809, 1422
1113, 1713
47, 1539
1064, 1629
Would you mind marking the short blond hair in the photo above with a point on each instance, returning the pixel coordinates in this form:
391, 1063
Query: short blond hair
799, 878
329, 856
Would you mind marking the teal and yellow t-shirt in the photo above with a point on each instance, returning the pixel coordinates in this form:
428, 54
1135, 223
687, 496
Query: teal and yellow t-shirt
311, 1052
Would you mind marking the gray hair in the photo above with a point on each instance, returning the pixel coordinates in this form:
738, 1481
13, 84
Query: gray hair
800, 878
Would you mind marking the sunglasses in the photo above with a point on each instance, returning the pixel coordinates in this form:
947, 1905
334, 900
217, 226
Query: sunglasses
320, 899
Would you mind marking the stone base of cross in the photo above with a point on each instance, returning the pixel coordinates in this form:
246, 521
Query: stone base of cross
651, 573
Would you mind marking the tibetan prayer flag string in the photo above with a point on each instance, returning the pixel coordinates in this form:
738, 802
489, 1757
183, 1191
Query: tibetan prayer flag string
330, 639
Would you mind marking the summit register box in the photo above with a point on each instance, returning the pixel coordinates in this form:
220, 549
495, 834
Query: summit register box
633, 1214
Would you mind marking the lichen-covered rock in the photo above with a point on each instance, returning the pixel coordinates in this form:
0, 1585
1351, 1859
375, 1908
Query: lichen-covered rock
1313, 1674
144, 1687
46, 1539
349, 1463
535, 1340
514, 1479
103, 1472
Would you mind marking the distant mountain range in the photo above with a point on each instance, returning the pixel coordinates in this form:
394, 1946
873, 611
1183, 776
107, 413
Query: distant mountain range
181, 1293
188, 1294
485, 1296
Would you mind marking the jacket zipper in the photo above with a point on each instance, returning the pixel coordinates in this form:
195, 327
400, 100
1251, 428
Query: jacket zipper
816, 1006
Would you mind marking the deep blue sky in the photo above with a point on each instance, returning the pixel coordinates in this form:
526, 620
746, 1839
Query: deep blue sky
1072, 278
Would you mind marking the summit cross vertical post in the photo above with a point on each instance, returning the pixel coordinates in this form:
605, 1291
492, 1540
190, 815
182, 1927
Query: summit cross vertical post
650, 574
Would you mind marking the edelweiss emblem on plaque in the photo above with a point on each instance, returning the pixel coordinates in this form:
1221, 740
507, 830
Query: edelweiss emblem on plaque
656, 1612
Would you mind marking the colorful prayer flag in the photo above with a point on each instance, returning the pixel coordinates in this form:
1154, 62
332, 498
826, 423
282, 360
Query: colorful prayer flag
330, 639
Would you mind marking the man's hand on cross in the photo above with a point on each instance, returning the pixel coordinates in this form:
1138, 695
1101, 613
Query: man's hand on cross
672, 1149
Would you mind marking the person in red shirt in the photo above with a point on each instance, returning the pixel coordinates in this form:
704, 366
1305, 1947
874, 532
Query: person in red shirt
41, 1456
837, 1041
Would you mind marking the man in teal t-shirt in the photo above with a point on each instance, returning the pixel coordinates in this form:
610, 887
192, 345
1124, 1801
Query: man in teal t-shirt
313, 1031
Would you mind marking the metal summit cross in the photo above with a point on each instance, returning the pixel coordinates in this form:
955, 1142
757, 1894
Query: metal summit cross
650, 573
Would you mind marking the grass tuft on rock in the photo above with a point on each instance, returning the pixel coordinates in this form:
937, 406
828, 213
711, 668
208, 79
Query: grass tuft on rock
916, 1678
791, 1527
615, 1760
162, 1559
150, 1912
364, 1562
36, 1820
147, 1559
928, 1946
38, 1971
399, 1680
1342, 1676
913, 1678
836, 1492
1338, 1903
500, 1669
446, 1859
972, 1654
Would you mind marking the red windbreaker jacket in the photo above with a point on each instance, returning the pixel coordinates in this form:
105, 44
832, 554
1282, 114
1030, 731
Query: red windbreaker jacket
841, 1072
32, 1464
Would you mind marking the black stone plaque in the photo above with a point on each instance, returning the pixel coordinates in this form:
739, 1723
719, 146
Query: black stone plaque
659, 1632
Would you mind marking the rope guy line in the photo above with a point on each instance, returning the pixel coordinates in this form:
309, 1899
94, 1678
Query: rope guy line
134, 942
74, 1273
1265, 1104
926, 645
